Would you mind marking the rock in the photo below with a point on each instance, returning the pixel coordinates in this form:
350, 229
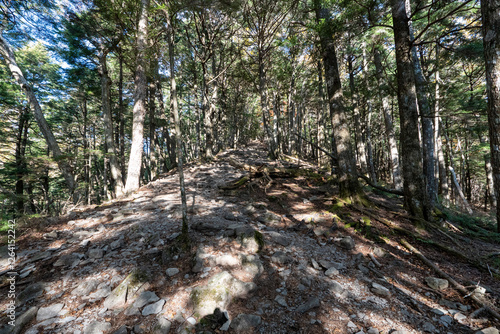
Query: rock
97, 327
96, 253
245, 322
68, 260
489, 330
121, 330
310, 304
118, 296
218, 293
281, 300
227, 260
48, 312
335, 287
446, 320
50, 235
436, 283
460, 317
269, 218
22, 321
315, 264
131, 310
380, 290
278, 238
280, 257
347, 243
172, 271
154, 308
140, 329
251, 245
372, 330
85, 287
116, 244
332, 272
251, 264
30, 293
145, 298
162, 325
438, 311
102, 292
428, 327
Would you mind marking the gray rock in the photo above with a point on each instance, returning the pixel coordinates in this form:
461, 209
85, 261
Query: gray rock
310, 304
251, 264
446, 320
172, 271
428, 327
68, 260
489, 330
438, 311
380, 290
121, 330
131, 310
118, 296
436, 283
372, 330
102, 292
50, 235
154, 308
250, 245
116, 244
245, 322
460, 317
85, 287
97, 327
335, 287
332, 272
140, 328
162, 325
227, 260
315, 264
48, 312
146, 297
30, 293
278, 238
347, 243
21, 321
280, 257
281, 300
269, 218
96, 253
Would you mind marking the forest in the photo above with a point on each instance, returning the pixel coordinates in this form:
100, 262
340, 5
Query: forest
99, 97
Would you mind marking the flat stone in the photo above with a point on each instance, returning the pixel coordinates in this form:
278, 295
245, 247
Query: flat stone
118, 296
97, 327
279, 238
227, 260
121, 330
172, 271
49, 311
245, 322
67, 260
281, 300
145, 298
103, 292
85, 287
436, 283
428, 327
154, 308
96, 253
380, 290
311, 303
332, 272
335, 287
372, 330
22, 321
280, 257
131, 310
489, 330
446, 320
30, 293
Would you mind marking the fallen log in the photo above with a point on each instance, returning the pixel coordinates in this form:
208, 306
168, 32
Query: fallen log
492, 309
376, 186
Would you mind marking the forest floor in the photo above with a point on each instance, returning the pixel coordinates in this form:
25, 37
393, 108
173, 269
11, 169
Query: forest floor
302, 261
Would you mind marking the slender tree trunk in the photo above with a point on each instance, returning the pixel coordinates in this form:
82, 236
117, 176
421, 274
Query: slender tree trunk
121, 110
178, 134
414, 183
66, 170
139, 111
346, 163
389, 127
490, 10
358, 133
116, 173
21, 142
264, 107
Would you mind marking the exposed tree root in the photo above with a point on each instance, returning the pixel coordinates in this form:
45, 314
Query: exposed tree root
487, 305
376, 186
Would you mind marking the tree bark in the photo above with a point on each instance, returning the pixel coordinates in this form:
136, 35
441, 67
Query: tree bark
21, 143
66, 170
389, 126
346, 163
139, 111
413, 184
490, 10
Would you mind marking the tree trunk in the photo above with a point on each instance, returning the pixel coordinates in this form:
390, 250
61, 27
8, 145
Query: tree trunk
389, 127
346, 163
21, 143
139, 111
8, 56
265, 108
413, 184
116, 173
490, 10
358, 135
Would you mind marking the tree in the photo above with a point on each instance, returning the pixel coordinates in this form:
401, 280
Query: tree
490, 10
139, 111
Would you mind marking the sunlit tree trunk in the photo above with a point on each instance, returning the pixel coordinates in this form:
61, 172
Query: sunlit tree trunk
490, 10
139, 111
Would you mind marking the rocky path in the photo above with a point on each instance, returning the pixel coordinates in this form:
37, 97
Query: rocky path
267, 258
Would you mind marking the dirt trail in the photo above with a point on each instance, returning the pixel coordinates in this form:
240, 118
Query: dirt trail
321, 268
